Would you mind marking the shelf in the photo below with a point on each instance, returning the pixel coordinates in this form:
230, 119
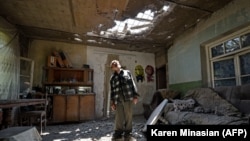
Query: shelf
79, 102
68, 84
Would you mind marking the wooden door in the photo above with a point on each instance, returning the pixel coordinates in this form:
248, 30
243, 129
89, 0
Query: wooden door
87, 107
59, 108
161, 78
72, 108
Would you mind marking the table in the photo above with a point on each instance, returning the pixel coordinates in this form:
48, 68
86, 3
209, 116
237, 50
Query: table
20, 102
21, 133
7, 104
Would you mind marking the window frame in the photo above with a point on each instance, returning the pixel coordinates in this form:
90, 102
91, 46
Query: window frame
222, 59
234, 54
30, 76
240, 75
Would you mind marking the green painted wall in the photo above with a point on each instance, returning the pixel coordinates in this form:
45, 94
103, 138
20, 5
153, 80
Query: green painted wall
184, 87
184, 57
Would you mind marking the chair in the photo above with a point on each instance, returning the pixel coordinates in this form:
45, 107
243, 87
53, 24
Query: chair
36, 114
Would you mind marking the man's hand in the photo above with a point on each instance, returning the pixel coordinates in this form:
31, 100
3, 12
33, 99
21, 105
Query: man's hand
113, 107
135, 100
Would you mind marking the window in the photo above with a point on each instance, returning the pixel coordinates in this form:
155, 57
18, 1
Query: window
224, 72
230, 61
26, 75
244, 68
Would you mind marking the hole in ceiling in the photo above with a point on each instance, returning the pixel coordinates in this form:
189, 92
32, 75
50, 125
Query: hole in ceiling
143, 22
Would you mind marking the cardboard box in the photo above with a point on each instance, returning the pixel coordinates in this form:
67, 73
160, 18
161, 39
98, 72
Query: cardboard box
51, 61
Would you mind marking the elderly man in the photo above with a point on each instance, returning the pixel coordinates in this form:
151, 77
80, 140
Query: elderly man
123, 95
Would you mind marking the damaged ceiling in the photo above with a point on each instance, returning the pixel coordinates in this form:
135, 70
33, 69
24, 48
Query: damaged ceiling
136, 25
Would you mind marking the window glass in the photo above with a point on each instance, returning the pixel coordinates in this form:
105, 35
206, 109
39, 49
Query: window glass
245, 68
224, 69
245, 40
25, 67
245, 80
245, 64
226, 82
232, 45
217, 50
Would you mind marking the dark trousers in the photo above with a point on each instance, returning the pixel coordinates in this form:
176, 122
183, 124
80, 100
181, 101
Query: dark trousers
123, 118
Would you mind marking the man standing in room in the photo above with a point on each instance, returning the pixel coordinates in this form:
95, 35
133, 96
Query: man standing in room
123, 96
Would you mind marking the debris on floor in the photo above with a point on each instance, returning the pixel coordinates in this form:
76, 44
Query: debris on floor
96, 130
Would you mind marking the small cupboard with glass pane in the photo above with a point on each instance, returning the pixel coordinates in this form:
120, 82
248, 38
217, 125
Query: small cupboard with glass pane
71, 91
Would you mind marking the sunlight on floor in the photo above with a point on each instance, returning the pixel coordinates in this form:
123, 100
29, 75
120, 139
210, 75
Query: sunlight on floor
95, 130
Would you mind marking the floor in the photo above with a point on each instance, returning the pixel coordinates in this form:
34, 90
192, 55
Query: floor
96, 130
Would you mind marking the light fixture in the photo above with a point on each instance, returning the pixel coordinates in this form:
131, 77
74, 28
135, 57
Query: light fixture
91, 41
76, 35
165, 7
78, 39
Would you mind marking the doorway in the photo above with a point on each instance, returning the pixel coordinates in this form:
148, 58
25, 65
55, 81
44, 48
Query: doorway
161, 77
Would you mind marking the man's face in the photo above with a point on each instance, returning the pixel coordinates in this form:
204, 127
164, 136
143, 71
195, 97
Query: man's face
114, 68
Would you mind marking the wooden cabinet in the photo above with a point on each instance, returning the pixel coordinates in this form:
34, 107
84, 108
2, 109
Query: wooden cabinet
87, 110
59, 108
71, 91
73, 108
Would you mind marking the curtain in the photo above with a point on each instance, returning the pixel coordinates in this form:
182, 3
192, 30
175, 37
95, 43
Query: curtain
9, 61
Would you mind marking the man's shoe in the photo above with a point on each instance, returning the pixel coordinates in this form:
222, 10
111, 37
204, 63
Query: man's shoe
116, 137
129, 138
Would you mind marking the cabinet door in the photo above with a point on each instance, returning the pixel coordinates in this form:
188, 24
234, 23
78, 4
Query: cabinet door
87, 107
59, 108
72, 113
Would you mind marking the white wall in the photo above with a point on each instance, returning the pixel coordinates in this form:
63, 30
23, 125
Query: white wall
97, 57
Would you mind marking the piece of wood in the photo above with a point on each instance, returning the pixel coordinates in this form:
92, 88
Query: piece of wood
72, 108
58, 59
87, 107
51, 61
65, 59
59, 108
20, 102
155, 115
